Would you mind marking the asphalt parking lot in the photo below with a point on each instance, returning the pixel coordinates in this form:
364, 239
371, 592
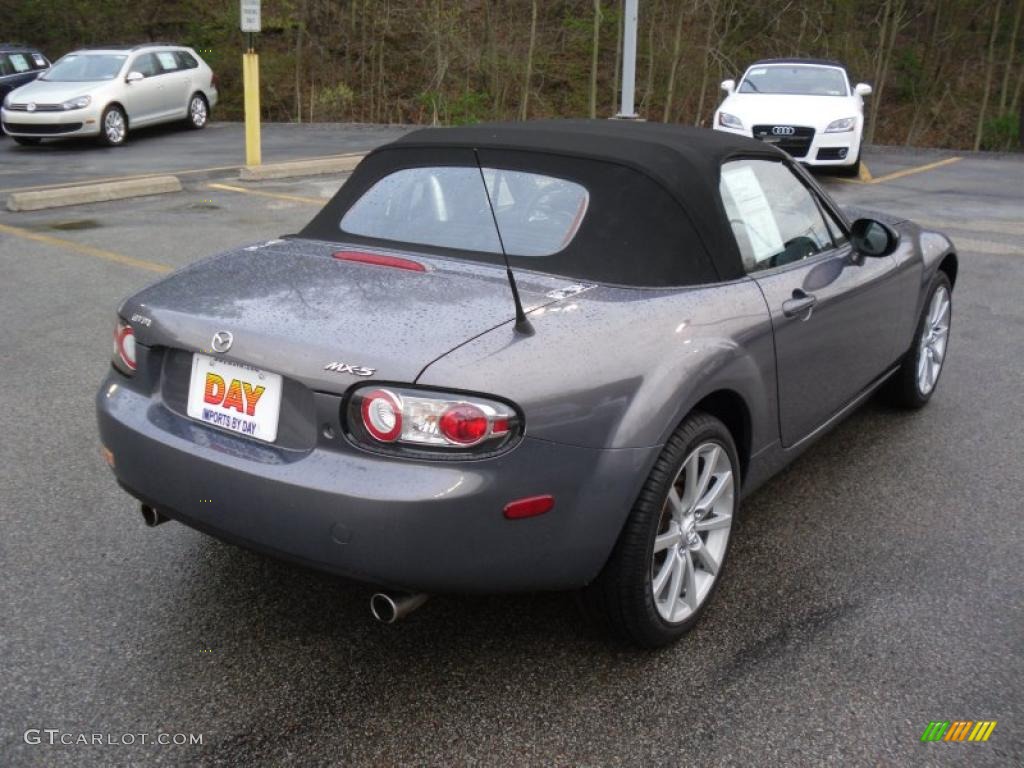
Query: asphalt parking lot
874, 586
219, 151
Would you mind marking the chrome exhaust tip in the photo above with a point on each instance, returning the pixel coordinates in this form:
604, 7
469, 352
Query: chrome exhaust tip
389, 608
151, 517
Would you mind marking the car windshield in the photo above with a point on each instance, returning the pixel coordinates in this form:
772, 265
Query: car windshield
795, 80
446, 207
85, 67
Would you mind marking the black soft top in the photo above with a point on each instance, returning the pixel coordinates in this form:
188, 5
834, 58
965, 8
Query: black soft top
656, 217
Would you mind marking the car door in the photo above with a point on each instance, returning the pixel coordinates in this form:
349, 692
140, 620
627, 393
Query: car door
142, 98
175, 84
833, 310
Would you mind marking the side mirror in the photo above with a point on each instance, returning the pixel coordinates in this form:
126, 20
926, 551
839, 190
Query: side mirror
728, 86
873, 238
862, 89
134, 77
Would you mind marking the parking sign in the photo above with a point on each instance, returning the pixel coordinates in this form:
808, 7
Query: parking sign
250, 15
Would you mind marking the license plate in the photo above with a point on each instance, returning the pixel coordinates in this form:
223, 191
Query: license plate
235, 397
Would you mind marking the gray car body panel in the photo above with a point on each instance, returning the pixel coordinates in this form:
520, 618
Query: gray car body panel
608, 375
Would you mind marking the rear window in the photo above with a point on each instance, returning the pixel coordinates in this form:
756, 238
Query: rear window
187, 60
447, 207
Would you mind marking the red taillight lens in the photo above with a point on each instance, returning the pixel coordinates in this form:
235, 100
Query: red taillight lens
529, 507
214, 81
464, 424
124, 348
382, 415
412, 421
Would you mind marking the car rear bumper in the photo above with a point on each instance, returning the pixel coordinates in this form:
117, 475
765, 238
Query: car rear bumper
74, 122
423, 526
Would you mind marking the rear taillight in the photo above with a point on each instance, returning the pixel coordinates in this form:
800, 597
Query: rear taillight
124, 348
409, 421
214, 81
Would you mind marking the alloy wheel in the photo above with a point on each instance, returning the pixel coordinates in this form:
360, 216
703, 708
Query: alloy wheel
693, 532
933, 341
197, 111
113, 126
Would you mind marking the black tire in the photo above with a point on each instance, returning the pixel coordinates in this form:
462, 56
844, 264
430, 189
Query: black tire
106, 138
621, 598
192, 116
849, 171
27, 141
903, 389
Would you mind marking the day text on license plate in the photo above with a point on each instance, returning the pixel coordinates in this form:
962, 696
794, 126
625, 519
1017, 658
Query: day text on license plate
235, 397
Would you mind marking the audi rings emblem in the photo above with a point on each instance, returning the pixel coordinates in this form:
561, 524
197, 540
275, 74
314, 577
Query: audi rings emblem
783, 130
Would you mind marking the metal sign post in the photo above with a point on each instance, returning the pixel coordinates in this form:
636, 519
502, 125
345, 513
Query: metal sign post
627, 111
250, 14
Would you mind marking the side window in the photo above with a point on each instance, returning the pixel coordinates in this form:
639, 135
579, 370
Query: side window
5, 68
146, 64
186, 60
774, 217
835, 228
19, 61
39, 61
168, 61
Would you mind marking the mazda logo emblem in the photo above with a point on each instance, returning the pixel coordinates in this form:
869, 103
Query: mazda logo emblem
222, 341
783, 130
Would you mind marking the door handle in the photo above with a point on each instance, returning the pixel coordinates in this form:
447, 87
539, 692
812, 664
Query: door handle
802, 303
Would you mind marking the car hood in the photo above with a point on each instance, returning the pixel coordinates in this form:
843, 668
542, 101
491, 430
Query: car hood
45, 92
294, 309
771, 109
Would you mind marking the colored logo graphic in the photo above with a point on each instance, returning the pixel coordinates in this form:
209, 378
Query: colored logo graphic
958, 730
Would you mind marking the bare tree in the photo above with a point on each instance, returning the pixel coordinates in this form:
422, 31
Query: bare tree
1011, 54
525, 108
618, 59
594, 49
707, 60
677, 46
990, 65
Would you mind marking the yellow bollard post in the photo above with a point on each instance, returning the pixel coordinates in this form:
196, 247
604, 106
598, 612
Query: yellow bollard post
251, 86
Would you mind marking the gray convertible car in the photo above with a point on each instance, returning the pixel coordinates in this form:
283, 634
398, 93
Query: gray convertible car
538, 356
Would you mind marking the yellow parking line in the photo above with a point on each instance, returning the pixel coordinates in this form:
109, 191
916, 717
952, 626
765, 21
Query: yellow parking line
261, 193
917, 169
88, 250
864, 174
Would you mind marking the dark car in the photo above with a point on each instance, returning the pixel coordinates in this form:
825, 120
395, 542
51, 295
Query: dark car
19, 64
535, 356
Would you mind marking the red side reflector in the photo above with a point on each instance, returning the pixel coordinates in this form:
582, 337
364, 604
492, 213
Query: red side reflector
380, 259
529, 507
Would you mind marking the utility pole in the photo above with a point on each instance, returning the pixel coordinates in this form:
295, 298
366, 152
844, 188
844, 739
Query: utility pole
627, 110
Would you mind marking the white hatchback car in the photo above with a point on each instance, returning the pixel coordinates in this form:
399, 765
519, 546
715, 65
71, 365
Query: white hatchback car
805, 106
105, 92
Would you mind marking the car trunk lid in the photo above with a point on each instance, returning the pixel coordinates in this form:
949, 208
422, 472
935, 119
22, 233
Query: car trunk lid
292, 307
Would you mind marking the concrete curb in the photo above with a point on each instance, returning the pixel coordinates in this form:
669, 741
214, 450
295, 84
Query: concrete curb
80, 194
316, 167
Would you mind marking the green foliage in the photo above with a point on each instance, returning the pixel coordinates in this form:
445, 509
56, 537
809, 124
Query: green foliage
333, 102
1001, 133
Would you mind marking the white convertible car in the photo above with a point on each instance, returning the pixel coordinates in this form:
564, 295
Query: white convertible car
808, 107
